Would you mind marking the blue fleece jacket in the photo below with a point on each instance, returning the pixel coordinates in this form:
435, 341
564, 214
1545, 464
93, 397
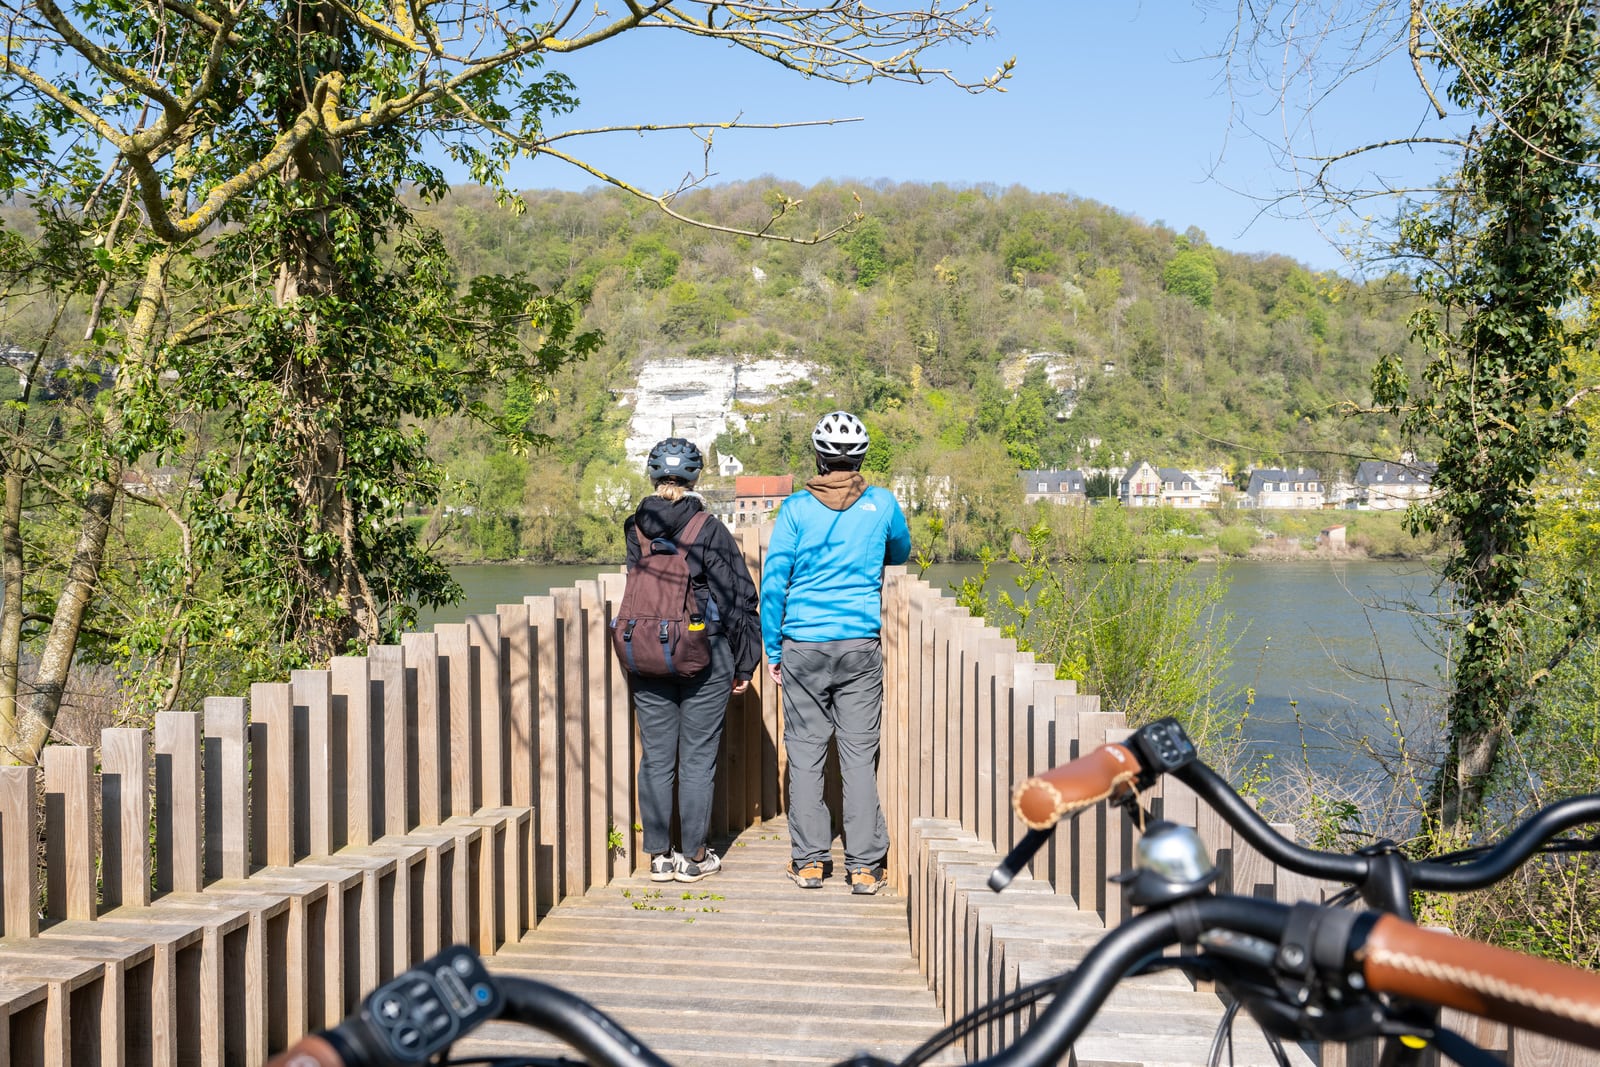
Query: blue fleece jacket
822, 578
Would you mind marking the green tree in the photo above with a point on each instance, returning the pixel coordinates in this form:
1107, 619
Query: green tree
863, 249
1192, 273
1512, 250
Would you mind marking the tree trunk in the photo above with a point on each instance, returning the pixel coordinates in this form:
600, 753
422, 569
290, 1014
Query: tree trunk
338, 611
23, 738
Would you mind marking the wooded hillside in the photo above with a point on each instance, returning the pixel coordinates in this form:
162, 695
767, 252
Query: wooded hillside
1169, 348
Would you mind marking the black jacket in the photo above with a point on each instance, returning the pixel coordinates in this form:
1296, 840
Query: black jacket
719, 572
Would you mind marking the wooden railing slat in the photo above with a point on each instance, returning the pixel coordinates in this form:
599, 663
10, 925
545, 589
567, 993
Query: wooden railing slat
19, 873
227, 834
272, 706
425, 716
352, 703
392, 812
572, 845
311, 695
483, 634
69, 831
125, 816
546, 663
597, 726
177, 797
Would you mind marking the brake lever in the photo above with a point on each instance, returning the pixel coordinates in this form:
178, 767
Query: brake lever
1018, 858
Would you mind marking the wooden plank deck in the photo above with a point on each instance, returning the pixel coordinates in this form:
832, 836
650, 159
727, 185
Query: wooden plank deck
744, 967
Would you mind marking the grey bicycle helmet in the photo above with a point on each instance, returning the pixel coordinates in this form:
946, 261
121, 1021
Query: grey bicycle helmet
839, 435
674, 458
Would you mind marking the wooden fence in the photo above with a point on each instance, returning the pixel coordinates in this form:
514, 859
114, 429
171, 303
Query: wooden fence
206, 891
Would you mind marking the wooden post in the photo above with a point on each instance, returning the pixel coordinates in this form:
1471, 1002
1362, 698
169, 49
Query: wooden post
227, 832
620, 710
424, 702
522, 741
125, 817
272, 707
69, 832
597, 723
462, 743
19, 873
352, 691
517, 676
178, 866
546, 663
311, 693
483, 635
388, 670
573, 852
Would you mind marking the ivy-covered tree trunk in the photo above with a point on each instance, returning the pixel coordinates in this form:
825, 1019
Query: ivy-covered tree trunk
335, 608
1514, 248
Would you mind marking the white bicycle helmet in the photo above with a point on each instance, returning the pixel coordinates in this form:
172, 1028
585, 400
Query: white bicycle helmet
839, 435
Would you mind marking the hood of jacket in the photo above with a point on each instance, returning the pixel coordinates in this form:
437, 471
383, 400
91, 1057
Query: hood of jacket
659, 517
837, 490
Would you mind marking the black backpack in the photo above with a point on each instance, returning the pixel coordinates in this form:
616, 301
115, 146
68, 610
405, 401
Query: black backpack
659, 631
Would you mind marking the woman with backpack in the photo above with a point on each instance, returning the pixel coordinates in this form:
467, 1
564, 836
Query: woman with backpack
680, 704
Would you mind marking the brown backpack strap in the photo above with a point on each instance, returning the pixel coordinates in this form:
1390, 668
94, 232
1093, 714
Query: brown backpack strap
687, 536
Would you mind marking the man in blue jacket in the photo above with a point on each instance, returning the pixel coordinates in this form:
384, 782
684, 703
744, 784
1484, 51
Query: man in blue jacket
821, 611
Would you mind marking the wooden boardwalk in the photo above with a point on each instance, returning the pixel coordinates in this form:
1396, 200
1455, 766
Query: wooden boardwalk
744, 967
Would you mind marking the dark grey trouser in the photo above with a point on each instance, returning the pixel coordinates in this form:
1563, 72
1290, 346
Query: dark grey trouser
680, 727
828, 692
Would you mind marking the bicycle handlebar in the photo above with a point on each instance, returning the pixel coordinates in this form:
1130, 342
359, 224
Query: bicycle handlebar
1044, 799
1116, 771
1496, 983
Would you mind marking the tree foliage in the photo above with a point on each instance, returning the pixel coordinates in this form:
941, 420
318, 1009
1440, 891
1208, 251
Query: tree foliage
1512, 248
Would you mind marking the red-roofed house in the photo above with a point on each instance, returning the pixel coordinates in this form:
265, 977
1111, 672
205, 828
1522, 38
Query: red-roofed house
756, 498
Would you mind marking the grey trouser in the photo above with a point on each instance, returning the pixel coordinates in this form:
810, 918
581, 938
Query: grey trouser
828, 692
680, 728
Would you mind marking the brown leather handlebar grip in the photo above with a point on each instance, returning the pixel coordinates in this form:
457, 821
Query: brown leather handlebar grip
1043, 799
1496, 983
309, 1051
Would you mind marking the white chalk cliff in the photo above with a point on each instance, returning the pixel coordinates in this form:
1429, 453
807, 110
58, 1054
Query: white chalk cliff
700, 398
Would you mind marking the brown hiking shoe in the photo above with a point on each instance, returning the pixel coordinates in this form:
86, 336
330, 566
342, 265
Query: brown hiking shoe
808, 876
867, 880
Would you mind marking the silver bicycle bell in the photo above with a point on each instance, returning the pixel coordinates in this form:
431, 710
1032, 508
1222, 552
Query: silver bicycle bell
1170, 863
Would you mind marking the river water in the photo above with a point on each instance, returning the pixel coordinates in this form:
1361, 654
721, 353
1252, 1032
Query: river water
1323, 644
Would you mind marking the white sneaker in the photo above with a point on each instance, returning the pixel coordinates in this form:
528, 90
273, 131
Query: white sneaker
663, 866
688, 870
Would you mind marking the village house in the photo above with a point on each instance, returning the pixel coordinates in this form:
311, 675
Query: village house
1273, 488
1384, 486
1180, 489
1055, 487
1140, 487
1146, 486
756, 497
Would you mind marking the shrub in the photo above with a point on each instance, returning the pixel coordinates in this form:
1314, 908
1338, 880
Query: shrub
1236, 540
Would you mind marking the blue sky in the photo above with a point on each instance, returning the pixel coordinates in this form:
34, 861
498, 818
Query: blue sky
1109, 101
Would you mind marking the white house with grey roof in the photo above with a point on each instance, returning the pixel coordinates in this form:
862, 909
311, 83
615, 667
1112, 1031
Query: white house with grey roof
1054, 487
1300, 488
1384, 486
